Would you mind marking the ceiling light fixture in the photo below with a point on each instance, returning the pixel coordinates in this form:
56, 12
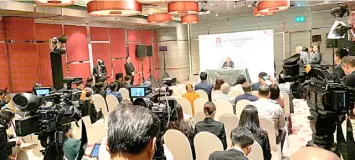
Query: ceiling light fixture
159, 18
189, 19
55, 2
260, 14
272, 5
114, 8
183, 8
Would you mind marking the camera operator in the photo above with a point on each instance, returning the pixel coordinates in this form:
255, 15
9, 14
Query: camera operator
6, 116
132, 133
339, 55
348, 65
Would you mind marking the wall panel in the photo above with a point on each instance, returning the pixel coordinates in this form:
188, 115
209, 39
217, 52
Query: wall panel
147, 37
46, 31
79, 70
102, 51
4, 77
117, 43
99, 34
243, 23
2, 30
45, 64
77, 44
218, 26
291, 24
20, 28
134, 35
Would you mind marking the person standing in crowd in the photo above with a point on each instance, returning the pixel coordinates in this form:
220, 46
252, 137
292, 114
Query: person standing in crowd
129, 67
310, 50
225, 88
242, 142
204, 85
119, 80
247, 94
305, 54
263, 77
127, 82
275, 95
210, 125
186, 128
339, 55
348, 65
112, 91
316, 57
99, 71
272, 111
228, 63
191, 95
249, 119
304, 58
132, 133
238, 85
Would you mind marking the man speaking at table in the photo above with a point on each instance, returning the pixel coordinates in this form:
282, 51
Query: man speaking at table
228, 63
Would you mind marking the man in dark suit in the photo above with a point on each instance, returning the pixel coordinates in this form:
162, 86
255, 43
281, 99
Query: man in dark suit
339, 55
129, 67
348, 65
242, 141
99, 71
228, 63
316, 57
204, 85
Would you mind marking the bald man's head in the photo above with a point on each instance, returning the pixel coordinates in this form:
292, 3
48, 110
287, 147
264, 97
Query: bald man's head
314, 153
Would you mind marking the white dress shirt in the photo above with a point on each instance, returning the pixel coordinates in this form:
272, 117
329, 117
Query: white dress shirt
217, 96
272, 111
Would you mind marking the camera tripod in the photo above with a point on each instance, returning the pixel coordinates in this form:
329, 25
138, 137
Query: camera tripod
53, 143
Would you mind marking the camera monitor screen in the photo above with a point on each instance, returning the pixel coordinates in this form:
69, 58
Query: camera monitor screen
42, 91
95, 151
137, 92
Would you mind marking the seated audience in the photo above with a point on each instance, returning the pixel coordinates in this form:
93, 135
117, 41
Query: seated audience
132, 133
210, 125
218, 84
127, 82
71, 146
191, 95
99, 89
119, 80
89, 82
249, 119
186, 128
275, 95
238, 85
272, 111
225, 88
314, 153
262, 81
348, 65
204, 85
112, 91
247, 94
242, 142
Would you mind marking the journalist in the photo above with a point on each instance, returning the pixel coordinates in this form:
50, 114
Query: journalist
348, 65
132, 133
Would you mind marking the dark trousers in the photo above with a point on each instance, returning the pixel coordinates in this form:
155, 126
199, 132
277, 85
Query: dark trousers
132, 81
281, 138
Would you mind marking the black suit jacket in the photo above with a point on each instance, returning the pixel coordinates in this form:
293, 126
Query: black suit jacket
129, 68
339, 72
350, 80
231, 154
214, 127
231, 64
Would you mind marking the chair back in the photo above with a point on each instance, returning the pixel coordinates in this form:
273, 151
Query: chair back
202, 94
223, 106
103, 153
240, 106
95, 132
286, 103
199, 116
100, 102
124, 92
256, 152
205, 144
112, 102
235, 93
199, 104
178, 145
268, 125
176, 91
185, 105
230, 122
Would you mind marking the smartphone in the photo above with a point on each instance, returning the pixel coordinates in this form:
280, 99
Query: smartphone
266, 78
95, 151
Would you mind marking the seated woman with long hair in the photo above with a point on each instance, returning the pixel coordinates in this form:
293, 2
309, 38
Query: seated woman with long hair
250, 119
186, 128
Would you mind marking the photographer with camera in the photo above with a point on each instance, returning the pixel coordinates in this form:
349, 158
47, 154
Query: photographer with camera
132, 133
348, 65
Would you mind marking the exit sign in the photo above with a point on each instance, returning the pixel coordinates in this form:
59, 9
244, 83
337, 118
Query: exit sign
300, 19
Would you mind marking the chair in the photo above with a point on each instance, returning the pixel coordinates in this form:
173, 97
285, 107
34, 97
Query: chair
185, 104
230, 122
286, 104
124, 92
202, 94
205, 144
256, 152
100, 102
95, 132
214, 92
223, 106
268, 125
176, 91
235, 93
199, 104
112, 102
240, 106
199, 116
178, 145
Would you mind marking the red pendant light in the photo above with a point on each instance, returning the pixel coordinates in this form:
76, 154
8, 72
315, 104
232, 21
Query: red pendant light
55, 2
114, 8
273, 5
259, 14
189, 19
159, 18
183, 8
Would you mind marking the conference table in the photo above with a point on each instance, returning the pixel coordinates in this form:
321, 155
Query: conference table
229, 75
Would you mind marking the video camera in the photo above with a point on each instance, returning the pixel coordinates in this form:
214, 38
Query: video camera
327, 98
58, 44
